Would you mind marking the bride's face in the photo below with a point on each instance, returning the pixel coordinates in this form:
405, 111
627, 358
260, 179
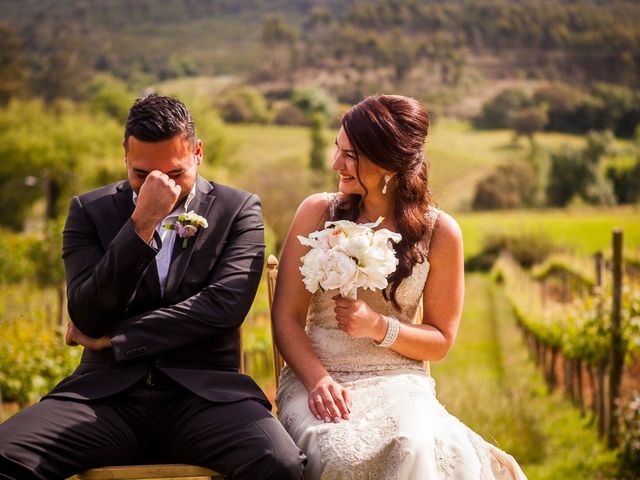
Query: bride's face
355, 176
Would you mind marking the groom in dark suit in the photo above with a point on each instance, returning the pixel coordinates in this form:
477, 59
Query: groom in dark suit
158, 312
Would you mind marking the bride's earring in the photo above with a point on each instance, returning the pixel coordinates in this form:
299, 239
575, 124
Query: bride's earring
387, 177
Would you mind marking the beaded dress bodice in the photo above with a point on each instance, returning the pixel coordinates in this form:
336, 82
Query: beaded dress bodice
340, 353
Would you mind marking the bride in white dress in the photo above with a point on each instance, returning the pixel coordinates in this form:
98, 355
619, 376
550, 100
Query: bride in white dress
356, 396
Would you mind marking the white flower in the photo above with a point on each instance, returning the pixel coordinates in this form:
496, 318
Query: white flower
187, 225
192, 218
346, 256
340, 272
311, 269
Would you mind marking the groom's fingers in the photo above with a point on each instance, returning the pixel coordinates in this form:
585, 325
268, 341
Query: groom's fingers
69, 337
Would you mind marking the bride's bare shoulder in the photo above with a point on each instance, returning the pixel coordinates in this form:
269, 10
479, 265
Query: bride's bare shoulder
313, 211
446, 238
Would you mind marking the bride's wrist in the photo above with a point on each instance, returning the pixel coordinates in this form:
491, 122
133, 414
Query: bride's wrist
380, 328
315, 381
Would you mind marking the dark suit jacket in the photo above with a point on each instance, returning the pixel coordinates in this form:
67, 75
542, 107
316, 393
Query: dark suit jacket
192, 333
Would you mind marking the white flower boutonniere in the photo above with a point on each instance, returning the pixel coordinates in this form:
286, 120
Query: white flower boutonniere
187, 225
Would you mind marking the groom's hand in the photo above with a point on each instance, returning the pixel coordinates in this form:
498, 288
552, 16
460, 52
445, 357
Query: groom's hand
75, 337
156, 199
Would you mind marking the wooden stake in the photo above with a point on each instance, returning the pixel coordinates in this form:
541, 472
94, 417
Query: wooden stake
616, 360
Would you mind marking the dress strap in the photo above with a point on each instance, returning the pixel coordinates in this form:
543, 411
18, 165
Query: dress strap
432, 217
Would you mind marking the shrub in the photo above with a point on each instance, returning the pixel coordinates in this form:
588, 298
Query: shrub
562, 102
313, 100
289, 114
509, 186
629, 411
569, 174
626, 182
528, 121
496, 112
244, 105
527, 248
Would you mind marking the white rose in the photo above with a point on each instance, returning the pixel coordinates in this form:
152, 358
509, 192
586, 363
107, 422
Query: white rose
340, 272
356, 246
311, 269
382, 237
375, 267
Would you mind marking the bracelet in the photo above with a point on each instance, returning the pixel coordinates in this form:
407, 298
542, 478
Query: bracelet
393, 329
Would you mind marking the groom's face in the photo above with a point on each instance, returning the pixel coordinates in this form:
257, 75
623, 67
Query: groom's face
177, 158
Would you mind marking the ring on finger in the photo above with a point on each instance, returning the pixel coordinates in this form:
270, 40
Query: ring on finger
318, 399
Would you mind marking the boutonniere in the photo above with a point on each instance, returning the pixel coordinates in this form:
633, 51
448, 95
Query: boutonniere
187, 225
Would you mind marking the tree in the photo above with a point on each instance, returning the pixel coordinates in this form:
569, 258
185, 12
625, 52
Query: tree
497, 111
278, 39
12, 65
244, 105
318, 143
528, 121
577, 173
42, 150
511, 185
319, 107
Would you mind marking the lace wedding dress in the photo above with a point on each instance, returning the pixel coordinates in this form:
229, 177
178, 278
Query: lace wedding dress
397, 428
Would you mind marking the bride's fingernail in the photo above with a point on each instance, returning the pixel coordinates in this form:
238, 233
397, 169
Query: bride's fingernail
327, 419
319, 417
336, 419
346, 417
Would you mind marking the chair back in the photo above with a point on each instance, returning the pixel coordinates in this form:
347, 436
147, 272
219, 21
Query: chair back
272, 275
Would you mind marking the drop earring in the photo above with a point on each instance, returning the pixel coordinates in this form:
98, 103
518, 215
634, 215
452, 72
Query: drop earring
387, 177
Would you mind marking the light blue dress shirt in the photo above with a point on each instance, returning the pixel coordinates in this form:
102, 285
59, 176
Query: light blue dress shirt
168, 237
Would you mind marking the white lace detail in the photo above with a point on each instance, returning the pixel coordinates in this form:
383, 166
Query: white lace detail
484, 454
365, 444
445, 460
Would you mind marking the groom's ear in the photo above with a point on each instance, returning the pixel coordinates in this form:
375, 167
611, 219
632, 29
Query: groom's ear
198, 152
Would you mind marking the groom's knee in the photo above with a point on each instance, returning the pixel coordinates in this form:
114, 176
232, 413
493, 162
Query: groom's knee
271, 465
15, 456
276, 456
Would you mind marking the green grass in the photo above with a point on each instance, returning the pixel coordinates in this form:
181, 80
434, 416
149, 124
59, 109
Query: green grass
584, 230
261, 145
488, 381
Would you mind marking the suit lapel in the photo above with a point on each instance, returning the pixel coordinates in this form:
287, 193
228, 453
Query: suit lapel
180, 257
124, 202
125, 207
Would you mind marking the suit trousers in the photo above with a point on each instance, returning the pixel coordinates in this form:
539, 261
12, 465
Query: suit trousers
165, 423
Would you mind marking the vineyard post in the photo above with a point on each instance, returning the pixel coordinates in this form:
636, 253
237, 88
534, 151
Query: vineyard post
565, 286
602, 395
616, 358
579, 385
599, 264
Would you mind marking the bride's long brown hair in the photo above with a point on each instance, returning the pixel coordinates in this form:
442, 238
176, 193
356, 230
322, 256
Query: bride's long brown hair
390, 130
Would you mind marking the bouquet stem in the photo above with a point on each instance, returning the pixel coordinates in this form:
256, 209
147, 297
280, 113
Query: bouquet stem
353, 293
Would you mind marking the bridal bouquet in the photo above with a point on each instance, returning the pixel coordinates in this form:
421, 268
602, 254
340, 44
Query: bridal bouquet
347, 256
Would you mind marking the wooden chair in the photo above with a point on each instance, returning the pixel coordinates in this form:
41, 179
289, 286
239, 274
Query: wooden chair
135, 472
272, 274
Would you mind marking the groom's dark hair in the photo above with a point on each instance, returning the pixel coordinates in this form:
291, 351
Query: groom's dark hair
155, 118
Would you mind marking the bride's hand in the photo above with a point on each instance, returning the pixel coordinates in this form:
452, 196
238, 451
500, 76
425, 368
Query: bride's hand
356, 318
329, 400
